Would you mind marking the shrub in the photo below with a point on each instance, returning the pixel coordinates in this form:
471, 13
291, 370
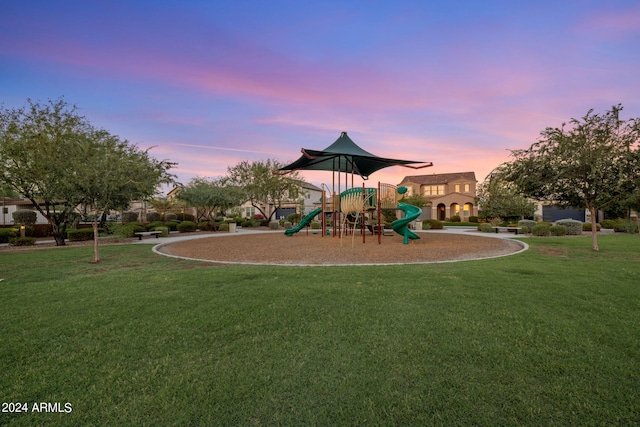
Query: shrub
454, 218
224, 226
187, 226
524, 229
152, 225
433, 224
8, 233
22, 241
154, 217
172, 225
486, 227
316, 225
287, 225
473, 218
129, 216
541, 229
574, 228
170, 217
294, 218
80, 234
246, 223
627, 227
558, 230
24, 216
274, 225
609, 223
587, 227
529, 223
128, 230
164, 231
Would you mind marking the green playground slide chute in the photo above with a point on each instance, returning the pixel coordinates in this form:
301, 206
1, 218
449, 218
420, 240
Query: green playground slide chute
400, 226
303, 222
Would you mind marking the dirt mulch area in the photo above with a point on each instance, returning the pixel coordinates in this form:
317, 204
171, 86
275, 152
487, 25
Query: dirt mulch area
313, 249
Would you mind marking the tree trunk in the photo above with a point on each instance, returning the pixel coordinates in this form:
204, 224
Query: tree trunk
57, 230
96, 236
594, 227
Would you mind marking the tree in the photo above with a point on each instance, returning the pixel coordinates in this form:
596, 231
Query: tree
415, 200
262, 187
498, 198
58, 160
211, 196
592, 164
114, 173
38, 147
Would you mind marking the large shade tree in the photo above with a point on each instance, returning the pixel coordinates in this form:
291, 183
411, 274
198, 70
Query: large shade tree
263, 187
114, 173
499, 198
38, 147
55, 158
590, 164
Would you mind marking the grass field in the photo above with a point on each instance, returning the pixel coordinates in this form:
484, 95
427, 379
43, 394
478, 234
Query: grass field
547, 337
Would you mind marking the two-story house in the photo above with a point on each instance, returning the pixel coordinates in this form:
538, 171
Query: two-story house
447, 194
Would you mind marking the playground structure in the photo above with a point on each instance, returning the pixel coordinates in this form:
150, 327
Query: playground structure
362, 206
353, 204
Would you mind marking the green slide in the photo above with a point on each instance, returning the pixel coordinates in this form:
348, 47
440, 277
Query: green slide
400, 225
306, 220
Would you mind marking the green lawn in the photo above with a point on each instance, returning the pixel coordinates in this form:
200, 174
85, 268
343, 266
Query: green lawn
547, 337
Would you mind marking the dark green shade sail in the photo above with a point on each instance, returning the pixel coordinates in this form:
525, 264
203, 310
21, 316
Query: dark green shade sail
344, 155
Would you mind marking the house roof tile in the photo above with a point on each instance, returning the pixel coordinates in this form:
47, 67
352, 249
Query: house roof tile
440, 178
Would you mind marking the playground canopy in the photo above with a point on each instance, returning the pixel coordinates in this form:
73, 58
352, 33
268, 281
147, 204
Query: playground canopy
344, 155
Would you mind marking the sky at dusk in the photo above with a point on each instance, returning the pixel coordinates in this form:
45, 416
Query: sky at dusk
211, 83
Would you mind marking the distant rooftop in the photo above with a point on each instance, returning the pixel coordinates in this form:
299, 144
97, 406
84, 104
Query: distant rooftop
439, 178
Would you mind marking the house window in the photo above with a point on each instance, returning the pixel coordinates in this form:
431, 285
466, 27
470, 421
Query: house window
249, 212
457, 188
467, 188
433, 190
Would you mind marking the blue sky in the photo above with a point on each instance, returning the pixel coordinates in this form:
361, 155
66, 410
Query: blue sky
211, 83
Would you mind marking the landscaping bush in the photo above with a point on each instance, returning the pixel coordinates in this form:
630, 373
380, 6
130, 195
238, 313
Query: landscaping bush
609, 223
541, 229
294, 218
154, 217
627, 227
128, 230
170, 217
473, 218
24, 216
287, 225
274, 225
152, 225
529, 223
164, 231
224, 226
434, 224
558, 230
574, 228
246, 223
172, 225
587, 227
454, 218
8, 233
80, 234
486, 228
187, 227
22, 241
128, 217
316, 225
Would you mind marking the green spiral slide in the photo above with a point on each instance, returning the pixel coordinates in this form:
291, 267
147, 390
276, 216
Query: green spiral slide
303, 222
400, 225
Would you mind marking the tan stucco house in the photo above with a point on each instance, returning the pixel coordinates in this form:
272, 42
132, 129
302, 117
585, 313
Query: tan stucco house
448, 194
